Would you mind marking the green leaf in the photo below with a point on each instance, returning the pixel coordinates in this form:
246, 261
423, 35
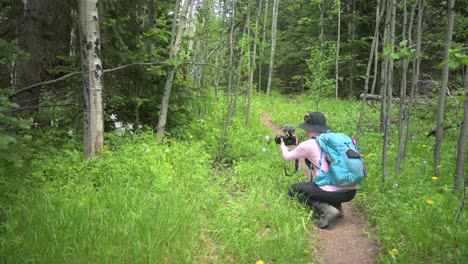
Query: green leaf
388, 50
395, 56
453, 64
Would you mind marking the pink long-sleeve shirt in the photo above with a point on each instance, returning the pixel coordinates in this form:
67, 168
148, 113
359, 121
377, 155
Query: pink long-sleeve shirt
310, 149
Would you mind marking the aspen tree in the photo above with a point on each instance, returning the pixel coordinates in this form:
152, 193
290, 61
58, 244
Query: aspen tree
92, 72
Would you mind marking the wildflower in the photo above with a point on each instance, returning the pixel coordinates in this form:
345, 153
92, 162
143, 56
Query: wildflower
139, 126
370, 155
395, 186
118, 125
439, 166
113, 117
259, 262
129, 126
70, 133
306, 252
423, 145
267, 138
424, 161
429, 202
394, 252
294, 203
434, 178
264, 150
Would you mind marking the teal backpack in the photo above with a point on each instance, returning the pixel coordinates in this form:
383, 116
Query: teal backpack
344, 160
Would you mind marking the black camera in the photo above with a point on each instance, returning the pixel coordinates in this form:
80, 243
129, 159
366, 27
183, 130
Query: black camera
289, 139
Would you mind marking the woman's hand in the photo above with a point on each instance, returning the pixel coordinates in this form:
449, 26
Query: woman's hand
281, 142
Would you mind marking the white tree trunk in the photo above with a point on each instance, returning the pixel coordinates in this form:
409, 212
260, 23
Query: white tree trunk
175, 49
338, 40
273, 44
93, 131
260, 59
443, 88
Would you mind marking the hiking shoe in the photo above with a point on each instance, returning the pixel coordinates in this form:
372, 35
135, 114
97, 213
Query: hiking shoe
328, 214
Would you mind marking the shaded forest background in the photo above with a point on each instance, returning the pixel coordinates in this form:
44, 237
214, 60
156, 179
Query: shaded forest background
229, 48
404, 49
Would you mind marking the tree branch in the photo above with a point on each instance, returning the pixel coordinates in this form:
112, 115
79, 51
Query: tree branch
71, 74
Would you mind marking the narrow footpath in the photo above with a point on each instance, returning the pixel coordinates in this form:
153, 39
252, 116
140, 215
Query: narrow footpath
345, 241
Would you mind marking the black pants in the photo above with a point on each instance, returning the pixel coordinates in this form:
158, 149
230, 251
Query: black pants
309, 193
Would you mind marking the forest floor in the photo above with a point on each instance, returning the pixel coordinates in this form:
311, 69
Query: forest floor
346, 240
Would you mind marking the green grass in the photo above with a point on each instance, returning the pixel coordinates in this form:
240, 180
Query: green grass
145, 201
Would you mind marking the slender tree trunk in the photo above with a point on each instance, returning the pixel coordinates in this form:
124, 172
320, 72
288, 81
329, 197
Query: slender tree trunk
230, 100
385, 65
219, 59
338, 40
72, 49
260, 59
322, 12
239, 75
416, 63
374, 50
174, 23
460, 171
443, 88
401, 114
273, 45
389, 90
93, 131
352, 33
174, 53
252, 63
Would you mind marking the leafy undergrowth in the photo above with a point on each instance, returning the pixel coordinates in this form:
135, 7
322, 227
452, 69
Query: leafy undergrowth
145, 201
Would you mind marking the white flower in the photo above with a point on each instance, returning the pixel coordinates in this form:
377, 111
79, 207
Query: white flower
267, 138
139, 126
70, 133
264, 150
118, 124
113, 117
129, 126
395, 186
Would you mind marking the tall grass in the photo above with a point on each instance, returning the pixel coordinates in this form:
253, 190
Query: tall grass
145, 201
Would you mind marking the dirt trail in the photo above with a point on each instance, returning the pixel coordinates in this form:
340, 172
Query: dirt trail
345, 240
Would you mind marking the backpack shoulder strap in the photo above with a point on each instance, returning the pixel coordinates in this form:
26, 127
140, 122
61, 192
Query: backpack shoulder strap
321, 156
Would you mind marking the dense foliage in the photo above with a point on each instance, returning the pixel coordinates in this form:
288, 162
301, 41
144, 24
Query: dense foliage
212, 190
144, 201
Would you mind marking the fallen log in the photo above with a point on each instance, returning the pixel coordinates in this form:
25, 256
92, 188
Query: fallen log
376, 97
